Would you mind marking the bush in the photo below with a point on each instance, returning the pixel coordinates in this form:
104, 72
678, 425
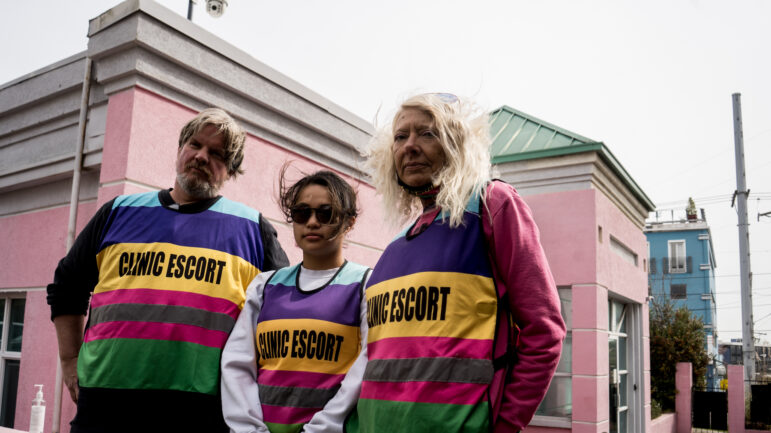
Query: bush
655, 409
676, 336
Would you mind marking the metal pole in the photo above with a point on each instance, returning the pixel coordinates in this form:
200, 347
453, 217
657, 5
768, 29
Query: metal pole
74, 199
748, 342
190, 6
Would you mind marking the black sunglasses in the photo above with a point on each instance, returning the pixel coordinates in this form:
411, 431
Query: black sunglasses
301, 214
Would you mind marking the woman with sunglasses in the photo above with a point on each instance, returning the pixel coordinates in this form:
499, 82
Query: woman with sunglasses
442, 344
295, 358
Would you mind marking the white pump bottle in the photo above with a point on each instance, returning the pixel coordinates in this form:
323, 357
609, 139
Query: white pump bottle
38, 413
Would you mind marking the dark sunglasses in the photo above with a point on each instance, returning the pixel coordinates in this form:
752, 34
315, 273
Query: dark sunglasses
301, 214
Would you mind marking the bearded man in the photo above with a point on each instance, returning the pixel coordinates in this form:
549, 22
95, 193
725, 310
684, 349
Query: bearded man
162, 276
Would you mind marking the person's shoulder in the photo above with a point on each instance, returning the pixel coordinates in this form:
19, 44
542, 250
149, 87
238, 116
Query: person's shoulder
142, 199
499, 189
235, 208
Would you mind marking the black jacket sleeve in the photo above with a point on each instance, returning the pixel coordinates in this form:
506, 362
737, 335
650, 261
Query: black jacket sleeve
77, 273
275, 257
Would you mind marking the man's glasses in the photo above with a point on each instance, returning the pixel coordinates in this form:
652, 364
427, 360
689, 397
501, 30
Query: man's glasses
301, 214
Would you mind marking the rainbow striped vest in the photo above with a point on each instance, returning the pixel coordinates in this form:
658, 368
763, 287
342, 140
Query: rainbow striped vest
170, 288
306, 342
431, 308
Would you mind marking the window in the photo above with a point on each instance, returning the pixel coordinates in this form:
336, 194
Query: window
677, 257
11, 327
677, 291
559, 398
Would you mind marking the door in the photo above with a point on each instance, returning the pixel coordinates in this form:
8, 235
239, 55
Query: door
618, 363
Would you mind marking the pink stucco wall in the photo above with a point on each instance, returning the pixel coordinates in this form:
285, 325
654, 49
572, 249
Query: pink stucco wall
683, 384
736, 402
567, 236
614, 272
33, 243
666, 423
576, 229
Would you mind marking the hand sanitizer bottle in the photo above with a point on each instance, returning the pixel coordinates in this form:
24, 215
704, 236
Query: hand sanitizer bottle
37, 415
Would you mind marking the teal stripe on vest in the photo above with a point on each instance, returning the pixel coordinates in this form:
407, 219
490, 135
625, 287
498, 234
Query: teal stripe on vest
230, 207
145, 199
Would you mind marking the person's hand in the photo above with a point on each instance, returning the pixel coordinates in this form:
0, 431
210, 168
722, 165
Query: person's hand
70, 376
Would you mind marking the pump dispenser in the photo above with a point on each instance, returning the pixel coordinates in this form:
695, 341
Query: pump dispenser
37, 415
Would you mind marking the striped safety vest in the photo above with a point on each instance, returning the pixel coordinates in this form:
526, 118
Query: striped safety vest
306, 342
431, 308
170, 288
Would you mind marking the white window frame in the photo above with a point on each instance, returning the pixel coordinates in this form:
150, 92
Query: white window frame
677, 259
5, 354
635, 407
561, 421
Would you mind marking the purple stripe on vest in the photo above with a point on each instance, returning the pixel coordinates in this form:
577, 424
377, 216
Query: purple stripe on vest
303, 379
156, 331
461, 250
287, 415
211, 230
165, 297
424, 392
290, 303
429, 347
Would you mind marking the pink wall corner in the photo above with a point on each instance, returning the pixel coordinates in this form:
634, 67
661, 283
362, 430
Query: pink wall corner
39, 361
538, 429
590, 399
568, 238
736, 402
117, 136
23, 263
683, 384
154, 141
590, 352
647, 390
666, 423
590, 307
646, 354
600, 427
613, 271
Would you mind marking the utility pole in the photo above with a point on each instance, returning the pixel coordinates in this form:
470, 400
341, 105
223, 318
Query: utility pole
741, 194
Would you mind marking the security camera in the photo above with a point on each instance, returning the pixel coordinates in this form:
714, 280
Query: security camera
216, 8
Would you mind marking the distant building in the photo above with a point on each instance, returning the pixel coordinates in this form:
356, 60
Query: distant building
731, 354
682, 263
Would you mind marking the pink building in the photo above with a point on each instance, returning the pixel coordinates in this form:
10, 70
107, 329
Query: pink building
152, 70
591, 214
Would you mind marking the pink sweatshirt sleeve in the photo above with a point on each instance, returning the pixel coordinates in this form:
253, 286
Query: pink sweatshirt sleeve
521, 269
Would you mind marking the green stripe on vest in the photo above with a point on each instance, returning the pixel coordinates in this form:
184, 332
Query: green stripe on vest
149, 364
398, 417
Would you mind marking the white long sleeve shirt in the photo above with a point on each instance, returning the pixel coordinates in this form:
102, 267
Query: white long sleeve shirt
240, 392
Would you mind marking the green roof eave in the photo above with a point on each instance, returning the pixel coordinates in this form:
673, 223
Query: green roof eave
605, 154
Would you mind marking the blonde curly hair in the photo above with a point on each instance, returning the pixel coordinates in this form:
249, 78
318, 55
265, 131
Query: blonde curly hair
464, 133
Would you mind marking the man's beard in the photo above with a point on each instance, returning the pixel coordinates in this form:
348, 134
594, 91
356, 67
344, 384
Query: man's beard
195, 186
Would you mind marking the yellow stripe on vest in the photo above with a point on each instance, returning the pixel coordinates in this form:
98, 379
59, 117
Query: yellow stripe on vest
165, 266
432, 304
307, 345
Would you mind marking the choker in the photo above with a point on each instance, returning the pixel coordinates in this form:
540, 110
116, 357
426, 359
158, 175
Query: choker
423, 191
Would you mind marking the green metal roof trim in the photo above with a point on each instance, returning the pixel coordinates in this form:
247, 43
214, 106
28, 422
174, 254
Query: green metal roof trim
518, 136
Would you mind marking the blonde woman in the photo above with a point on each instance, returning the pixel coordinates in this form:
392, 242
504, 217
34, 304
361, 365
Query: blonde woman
448, 296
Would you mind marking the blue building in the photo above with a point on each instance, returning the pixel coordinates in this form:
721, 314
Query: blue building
681, 269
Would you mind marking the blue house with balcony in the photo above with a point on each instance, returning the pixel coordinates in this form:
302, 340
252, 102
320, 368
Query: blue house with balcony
681, 269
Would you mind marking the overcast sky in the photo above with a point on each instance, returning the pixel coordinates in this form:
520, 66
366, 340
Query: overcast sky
652, 80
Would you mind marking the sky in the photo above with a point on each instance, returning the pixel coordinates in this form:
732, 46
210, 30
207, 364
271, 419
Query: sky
652, 80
